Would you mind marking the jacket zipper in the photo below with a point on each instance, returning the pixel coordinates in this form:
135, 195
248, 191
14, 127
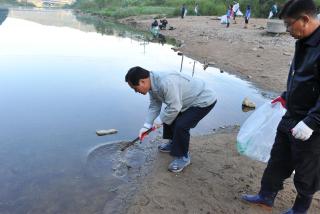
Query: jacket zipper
290, 87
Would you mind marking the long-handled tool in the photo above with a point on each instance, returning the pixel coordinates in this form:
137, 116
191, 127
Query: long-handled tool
135, 140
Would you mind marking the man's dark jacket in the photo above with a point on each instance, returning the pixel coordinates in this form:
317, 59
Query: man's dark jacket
303, 86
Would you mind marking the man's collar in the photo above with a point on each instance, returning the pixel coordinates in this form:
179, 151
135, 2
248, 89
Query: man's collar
314, 38
152, 83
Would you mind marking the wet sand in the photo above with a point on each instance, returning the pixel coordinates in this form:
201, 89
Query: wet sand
218, 175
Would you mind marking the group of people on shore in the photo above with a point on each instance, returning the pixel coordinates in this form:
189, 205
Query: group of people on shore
156, 27
296, 146
234, 10
162, 25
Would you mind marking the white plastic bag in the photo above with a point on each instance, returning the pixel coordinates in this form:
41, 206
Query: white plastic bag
257, 134
223, 19
239, 13
270, 15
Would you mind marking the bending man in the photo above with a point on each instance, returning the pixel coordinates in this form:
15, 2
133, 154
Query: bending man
187, 101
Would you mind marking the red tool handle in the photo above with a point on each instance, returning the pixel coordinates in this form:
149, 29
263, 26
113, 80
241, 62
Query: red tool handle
147, 132
135, 140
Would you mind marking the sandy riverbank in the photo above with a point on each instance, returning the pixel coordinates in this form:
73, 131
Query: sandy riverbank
218, 174
214, 182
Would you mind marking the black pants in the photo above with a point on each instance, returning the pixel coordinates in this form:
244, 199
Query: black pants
179, 130
290, 154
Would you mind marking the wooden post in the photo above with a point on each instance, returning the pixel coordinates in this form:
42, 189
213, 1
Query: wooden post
194, 63
181, 63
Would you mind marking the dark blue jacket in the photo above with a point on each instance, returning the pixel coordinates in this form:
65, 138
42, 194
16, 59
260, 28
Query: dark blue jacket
303, 86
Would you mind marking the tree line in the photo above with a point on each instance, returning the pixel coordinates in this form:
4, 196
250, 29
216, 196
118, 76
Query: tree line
260, 8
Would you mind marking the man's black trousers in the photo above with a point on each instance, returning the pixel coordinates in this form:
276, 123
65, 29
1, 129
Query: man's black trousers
179, 130
289, 154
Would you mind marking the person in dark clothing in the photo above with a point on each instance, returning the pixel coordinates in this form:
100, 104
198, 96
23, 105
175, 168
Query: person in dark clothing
154, 23
297, 142
163, 24
229, 15
247, 16
3, 14
183, 10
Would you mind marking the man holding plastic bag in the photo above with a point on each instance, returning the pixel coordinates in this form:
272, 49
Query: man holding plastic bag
297, 142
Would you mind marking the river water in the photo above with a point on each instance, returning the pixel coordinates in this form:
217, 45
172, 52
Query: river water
61, 79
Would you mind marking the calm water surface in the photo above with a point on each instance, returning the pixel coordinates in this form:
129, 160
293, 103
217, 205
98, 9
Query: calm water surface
62, 79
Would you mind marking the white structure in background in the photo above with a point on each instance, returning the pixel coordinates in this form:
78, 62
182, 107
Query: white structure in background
276, 26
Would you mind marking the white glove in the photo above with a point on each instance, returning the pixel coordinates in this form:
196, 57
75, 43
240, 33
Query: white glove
145, 128
157, 123
301, 131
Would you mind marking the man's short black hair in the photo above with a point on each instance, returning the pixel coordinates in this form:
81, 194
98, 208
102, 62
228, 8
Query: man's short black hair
135, 74
295, 8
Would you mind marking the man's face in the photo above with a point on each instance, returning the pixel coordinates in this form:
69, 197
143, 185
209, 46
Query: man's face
142, 88
296, 26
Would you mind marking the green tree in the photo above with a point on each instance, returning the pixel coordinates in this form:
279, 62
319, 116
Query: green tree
100, 3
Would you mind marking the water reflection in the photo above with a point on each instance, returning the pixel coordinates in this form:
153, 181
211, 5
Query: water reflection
106, 27
3, 14
58, 85
84, 22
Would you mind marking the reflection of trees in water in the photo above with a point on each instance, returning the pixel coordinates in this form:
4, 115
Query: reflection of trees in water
106, 27
109, 31
3, 14
102, 28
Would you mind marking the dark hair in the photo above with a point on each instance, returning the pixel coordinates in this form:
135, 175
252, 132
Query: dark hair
295, 8
135, 74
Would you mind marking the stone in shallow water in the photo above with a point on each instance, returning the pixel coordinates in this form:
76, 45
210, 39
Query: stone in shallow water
106, 132
246, 102
246, 109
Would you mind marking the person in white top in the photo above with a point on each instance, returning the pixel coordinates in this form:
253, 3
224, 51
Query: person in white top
235, 9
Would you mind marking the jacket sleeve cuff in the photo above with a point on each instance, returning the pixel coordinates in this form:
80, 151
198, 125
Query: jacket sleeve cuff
158, 120
311, 123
